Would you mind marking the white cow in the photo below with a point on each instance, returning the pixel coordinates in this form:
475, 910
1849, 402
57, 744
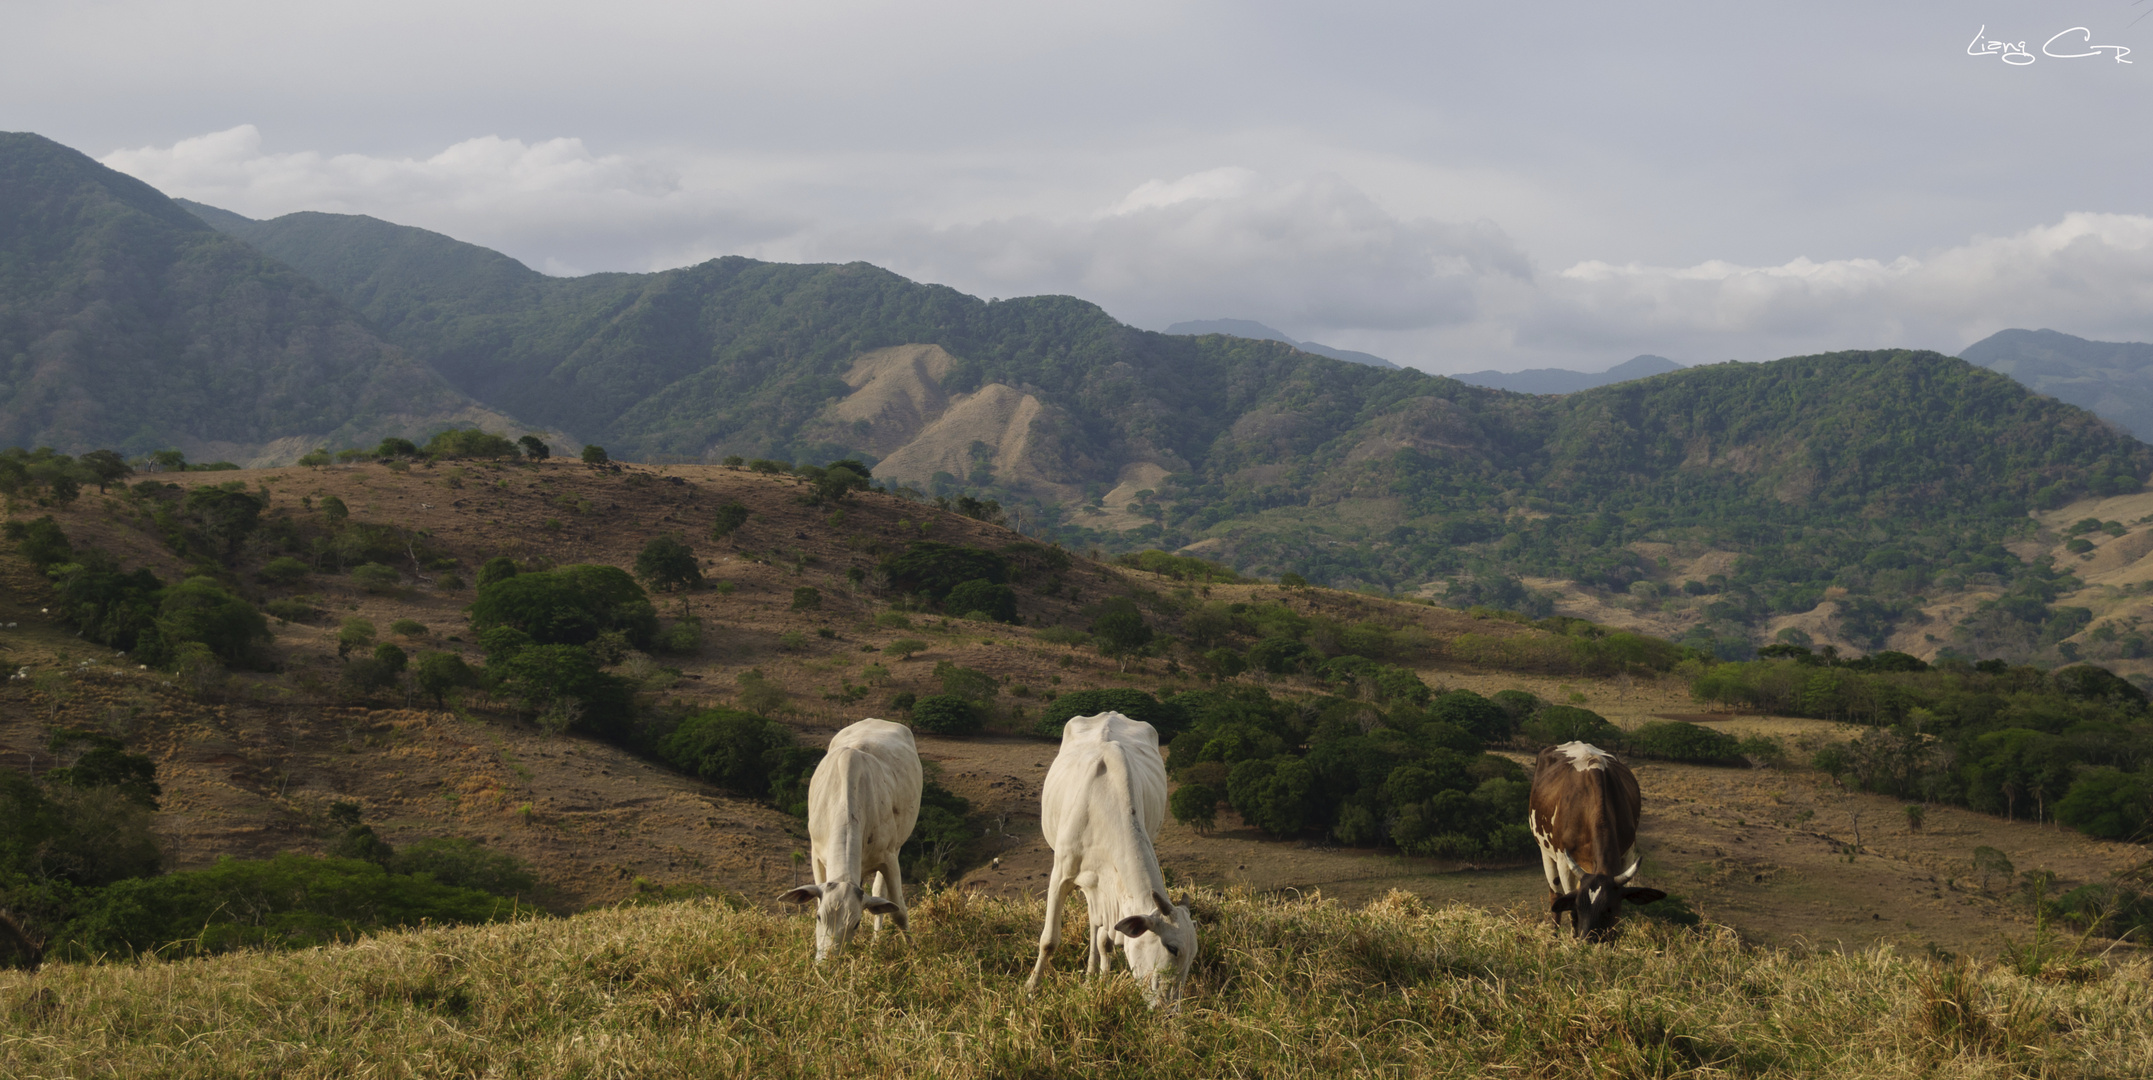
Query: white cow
861, 806
1101, 809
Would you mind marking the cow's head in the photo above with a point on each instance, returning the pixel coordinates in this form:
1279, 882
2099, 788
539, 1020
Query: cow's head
1598, 901
1161, 946
838, 907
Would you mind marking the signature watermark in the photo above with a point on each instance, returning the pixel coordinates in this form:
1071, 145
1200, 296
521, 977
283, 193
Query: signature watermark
2059, 47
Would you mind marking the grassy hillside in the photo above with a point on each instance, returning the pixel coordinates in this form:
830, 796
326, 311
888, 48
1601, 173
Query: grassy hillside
126, 323
1281, 988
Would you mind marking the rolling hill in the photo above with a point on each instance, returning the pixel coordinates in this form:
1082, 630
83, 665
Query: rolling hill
127, 323
2109, 378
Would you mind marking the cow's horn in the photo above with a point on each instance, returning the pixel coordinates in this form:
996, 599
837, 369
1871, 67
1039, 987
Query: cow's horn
1624, 877
1575, 869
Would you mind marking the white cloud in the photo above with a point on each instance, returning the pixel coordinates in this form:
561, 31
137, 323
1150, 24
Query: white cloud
1314, 255
2088, 274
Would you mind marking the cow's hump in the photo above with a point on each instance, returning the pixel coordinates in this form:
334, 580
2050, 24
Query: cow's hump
1585, 757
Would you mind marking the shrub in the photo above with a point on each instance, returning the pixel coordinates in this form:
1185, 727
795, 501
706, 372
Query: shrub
286, 610
1558, 724
668, 564
1279, 655
735, 750
409, 628
566, 680
933, 568
941, 838
469, 443
905, 648
683, 638
283, 570
196, 610
731, 515
392, 447
595, 455
1195, 805
1487, 721
1120, 631
439, 672
534, 448
998, 602
1674, 740
1168, 718
947, 714
966, 682
376, 578
355, 633
498, 568
807, 598
1223, 663
893, 620
290, 901
2108, 803
569, 605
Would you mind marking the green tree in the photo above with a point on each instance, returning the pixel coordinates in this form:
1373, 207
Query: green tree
333, 511
947, 714
730, 516
354, 634
498, 568
534, 448
1120, 631
595, 455
997, 602
667, 564
197, 610
1195, 805
107, 467
568, 605
393, 447
437, 673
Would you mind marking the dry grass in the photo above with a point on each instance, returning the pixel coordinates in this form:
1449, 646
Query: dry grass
1282, 988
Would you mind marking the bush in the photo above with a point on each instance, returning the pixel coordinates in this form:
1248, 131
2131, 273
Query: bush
565, 681
290, 901
932, 568
569, 605
409, 628
2108, 803
999, 602
469, 443
498, 568
905, 648
730, 516
1280, 655
1195, 805
595, 455
947, 714
1674, 740
1168, 718
283, 571
683, 638
196, 610
1558, 724
285, 610
668, 564
436, 673
735, 750
966, 682
376, 578
807, 598
534, 448
940, 839
893, 620
1487, 721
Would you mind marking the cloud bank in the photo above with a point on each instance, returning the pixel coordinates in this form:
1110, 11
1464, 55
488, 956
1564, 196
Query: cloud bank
1313, 255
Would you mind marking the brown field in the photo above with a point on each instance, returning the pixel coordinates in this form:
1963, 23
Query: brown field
1778, 854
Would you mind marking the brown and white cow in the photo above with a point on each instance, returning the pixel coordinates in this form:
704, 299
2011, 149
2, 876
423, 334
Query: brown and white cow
1585, 807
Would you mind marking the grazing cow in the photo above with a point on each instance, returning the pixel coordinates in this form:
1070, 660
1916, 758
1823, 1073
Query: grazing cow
861, 806
1101, 810
1585, 806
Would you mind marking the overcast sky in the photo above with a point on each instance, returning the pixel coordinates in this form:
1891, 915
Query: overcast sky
1452, 186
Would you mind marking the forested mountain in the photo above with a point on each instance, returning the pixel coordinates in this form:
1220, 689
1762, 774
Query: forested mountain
1560, 381
127, 323
1722, 496
2112, 378
1250, 329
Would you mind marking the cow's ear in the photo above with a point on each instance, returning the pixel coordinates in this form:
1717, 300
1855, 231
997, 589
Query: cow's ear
805, 894
1133, 926
876, 905
1165, 906
1643, 896
1565, 902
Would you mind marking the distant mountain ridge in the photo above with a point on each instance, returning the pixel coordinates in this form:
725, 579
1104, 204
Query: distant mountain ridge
1561, 381
1257, 331
2112, 379
125, 322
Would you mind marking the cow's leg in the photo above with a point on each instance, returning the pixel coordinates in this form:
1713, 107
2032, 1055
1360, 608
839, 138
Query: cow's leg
892, 889
1550, 867
1058, 885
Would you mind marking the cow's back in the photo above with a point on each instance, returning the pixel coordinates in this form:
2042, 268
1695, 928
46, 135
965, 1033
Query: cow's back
1574, 786
1082, 764
876, 761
